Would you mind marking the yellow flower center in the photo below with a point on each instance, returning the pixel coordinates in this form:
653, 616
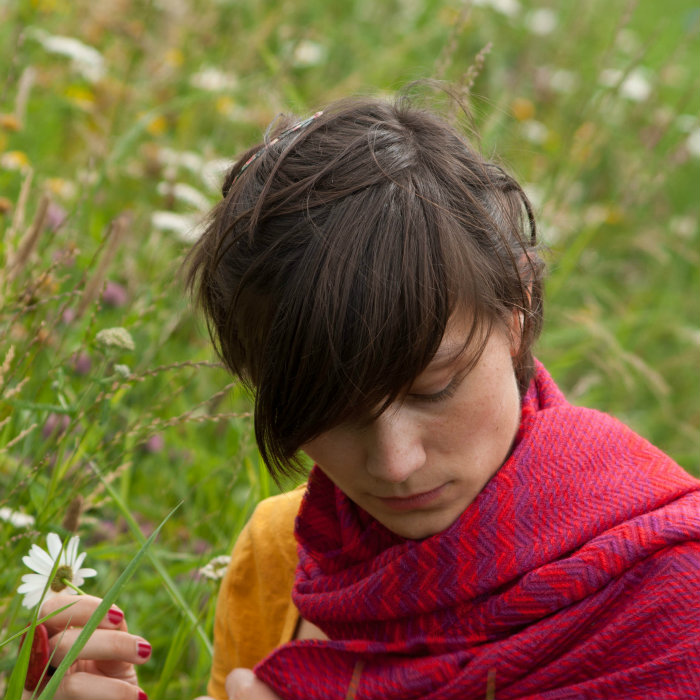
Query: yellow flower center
62, 573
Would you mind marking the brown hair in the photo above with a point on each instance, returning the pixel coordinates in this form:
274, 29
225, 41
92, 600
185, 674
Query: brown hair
329, 270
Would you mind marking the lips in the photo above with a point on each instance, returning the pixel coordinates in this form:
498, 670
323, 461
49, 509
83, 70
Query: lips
413, 502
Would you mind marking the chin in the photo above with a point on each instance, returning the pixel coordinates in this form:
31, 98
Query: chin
419, 525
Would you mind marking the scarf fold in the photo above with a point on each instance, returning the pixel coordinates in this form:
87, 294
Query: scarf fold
573, 574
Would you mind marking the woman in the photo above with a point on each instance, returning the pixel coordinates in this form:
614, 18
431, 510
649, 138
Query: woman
465, 530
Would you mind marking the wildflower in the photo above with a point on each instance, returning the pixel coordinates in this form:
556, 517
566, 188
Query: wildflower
693, 143
86, 60
117, 337
15, 160
541, 21
68, 576
185, 193
124, 371
534, 131
522, 108
114, 295
635, 86
55, 424
15, 517
216, 568
510, 8
564, 81
213, 80
56, 216
154, 444
82, 364
184, 226
308, 53
9, 122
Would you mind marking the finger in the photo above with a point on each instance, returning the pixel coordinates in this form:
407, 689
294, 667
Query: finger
87, 686
79, 612
103, 645
243, 684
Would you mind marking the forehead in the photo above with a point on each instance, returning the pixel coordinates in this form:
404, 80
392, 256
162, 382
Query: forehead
460, 334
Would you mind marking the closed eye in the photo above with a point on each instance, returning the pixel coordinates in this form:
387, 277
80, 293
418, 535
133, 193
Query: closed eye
441, 395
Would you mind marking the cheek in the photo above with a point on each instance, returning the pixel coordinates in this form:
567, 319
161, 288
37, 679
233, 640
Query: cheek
334, 453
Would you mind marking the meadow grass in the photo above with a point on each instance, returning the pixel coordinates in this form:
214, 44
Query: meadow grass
107, 158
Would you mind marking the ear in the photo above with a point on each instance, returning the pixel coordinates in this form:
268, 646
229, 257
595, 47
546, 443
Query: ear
515, 329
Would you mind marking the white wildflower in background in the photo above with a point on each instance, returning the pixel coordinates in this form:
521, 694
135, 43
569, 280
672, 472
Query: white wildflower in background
541, 22
42, 563
213, 171
117, 337
186, 227
213, 80
564, 81
16, 518
635, 86
216, 568
308, 53
87, 60
15, 160
510, 8
628, 41
180, 159
534, 131
185, 193
693, 143
686, 122
123, 371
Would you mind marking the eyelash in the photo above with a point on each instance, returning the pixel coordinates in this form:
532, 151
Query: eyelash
441, 395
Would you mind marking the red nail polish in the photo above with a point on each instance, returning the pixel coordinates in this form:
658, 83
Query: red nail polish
144, 650
142, 695
115, 616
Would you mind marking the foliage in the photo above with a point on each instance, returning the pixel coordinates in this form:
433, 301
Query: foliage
110, 150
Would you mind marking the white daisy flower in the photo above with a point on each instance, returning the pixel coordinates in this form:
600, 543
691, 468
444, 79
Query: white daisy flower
42, 562
15, 517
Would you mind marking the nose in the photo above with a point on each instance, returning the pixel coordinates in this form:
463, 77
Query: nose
394, 446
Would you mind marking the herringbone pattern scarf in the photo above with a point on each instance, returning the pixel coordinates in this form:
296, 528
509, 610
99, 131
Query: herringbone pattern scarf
574, 574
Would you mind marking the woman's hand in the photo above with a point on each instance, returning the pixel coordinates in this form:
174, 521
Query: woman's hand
243, 684
105, 666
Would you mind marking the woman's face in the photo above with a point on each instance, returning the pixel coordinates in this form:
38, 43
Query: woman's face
419, 465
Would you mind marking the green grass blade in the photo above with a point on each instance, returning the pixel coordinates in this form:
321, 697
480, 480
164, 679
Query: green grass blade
99, 614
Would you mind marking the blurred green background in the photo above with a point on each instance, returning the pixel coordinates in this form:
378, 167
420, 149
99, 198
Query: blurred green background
117, 119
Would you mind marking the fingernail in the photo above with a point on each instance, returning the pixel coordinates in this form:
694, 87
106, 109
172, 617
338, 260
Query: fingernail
142, 695
115, 616
144, 650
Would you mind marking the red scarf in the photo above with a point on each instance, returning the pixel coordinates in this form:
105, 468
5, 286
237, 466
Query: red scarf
574, 574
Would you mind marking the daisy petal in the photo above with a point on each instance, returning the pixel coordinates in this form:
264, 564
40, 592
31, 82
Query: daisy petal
31, 599
37, 552
75, 565
54, 543
72, 550
33, 580
80, 576
35, 565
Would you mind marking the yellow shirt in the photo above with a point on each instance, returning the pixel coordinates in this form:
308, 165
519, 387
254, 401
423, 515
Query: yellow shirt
254, 611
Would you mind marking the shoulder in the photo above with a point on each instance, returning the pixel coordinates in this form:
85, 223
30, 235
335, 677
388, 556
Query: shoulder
265, 553
270, 530
254, 612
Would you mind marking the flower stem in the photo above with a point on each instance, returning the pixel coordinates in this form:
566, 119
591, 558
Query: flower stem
70, 585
